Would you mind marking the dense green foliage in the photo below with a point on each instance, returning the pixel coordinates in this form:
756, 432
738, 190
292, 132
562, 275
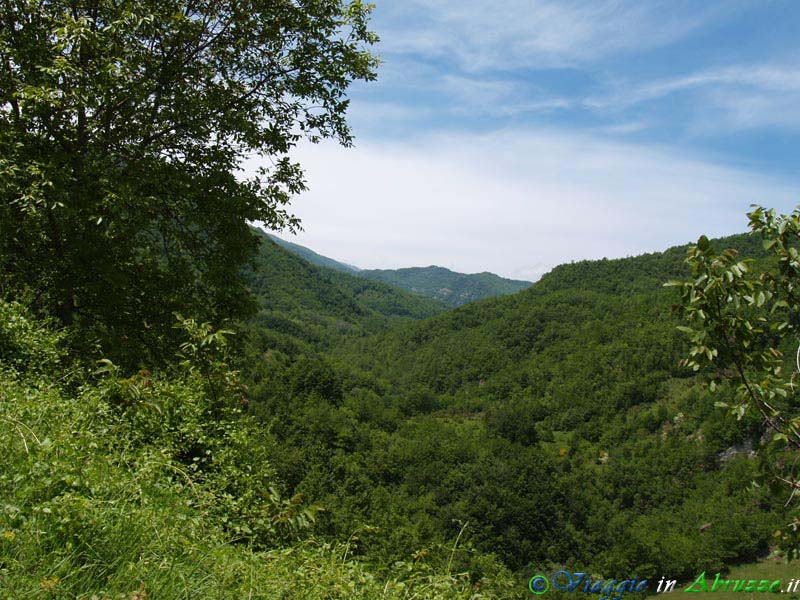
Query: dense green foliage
456, 289
556, 426
188, 410
153, 486
363, 452
320, 306
744, 333
122, 127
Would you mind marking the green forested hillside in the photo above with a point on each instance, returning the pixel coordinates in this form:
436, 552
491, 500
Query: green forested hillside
456, 289
131, 469
190, 411
554, 426
365, 452
321, 306
157, 486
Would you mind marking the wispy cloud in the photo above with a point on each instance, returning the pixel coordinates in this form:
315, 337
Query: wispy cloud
496, 97
434, 94
735, 97
538, 33
623, 128
533, 61
765, 77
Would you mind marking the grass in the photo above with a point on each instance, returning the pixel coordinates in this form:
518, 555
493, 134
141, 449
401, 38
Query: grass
96, 503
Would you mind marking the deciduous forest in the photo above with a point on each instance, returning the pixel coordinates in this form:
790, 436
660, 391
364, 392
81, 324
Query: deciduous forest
190, 410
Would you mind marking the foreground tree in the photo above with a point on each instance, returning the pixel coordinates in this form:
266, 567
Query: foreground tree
743, 331
122, 126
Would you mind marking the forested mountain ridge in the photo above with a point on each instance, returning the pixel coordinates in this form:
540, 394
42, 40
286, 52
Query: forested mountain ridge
320, 305
450, 287
549, 429
460, 417
188, 410
456, 289
581, 319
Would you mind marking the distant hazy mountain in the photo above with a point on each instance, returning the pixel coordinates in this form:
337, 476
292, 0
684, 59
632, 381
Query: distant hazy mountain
448, 286
311, 256
442, 284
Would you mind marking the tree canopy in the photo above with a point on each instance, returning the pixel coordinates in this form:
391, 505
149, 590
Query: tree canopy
122, 127
743, 326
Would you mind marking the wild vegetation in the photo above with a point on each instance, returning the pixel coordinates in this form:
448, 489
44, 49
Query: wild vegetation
188, 410
156, 485
555, 427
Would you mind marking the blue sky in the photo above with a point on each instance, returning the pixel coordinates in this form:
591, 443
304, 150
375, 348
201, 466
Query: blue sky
514, 136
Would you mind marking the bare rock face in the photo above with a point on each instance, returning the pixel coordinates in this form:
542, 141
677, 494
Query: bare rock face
746, 447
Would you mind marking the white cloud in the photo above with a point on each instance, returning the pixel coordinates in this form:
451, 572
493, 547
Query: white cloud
727, 98
767, 77
536, 33
517, 203
420, 92
481, 97
623, 128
